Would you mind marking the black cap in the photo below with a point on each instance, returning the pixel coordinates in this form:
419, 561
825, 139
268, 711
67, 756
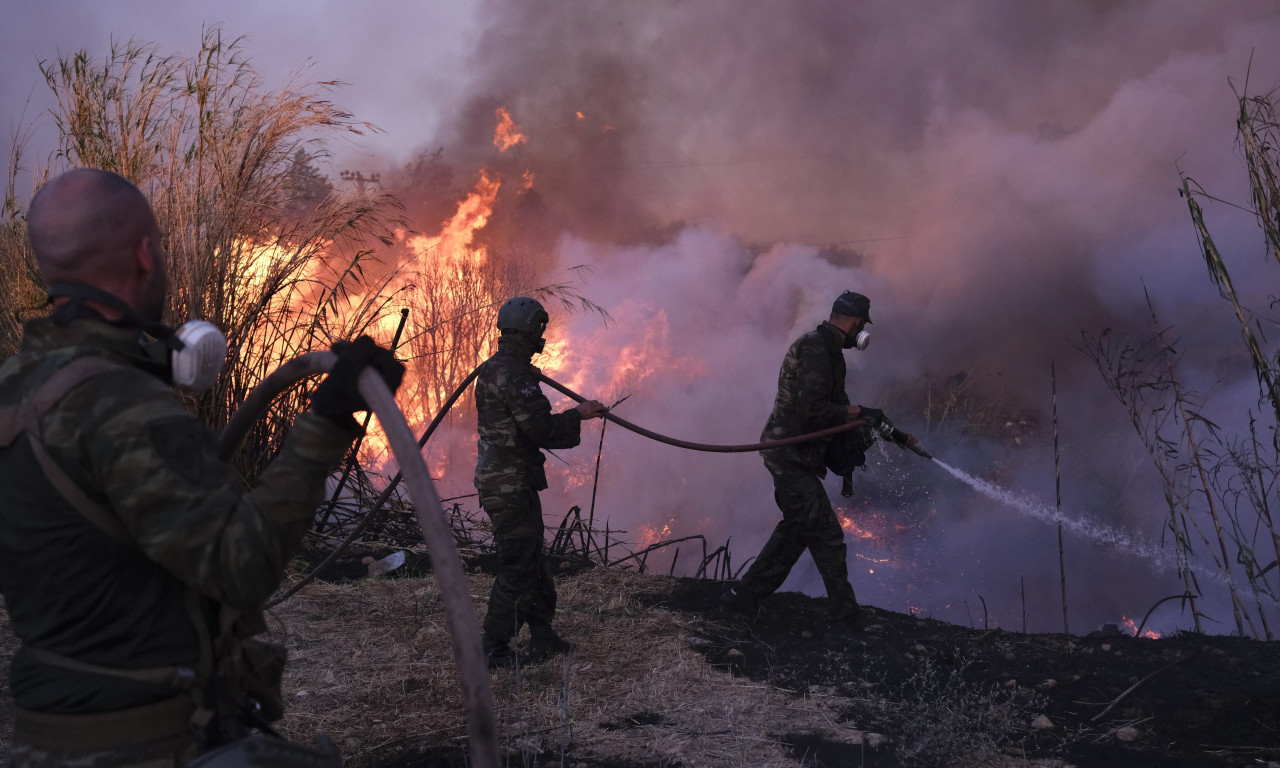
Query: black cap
853, 305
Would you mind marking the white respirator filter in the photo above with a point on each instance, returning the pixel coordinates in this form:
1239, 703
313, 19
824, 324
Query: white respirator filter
196, 366
863, 339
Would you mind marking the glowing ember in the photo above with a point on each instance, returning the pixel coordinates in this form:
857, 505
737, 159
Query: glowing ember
1133, 629
507, 134
650, 535
852, 528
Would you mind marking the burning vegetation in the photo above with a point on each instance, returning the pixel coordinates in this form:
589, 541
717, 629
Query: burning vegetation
286, 261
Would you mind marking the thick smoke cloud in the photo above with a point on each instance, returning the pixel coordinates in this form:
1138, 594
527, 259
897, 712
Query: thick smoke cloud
991, 159
998, 177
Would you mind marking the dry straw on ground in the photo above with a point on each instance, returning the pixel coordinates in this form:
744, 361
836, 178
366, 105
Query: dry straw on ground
371, 666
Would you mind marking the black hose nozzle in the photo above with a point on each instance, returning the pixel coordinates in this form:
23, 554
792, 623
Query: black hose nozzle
895, 435
920, 450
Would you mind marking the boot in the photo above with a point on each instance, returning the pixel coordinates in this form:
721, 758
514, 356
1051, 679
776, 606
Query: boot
846, 613
740, 600
497, 653
545, 643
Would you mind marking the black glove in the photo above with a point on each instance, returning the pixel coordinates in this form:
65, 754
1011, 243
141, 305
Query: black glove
338, 396
873, 415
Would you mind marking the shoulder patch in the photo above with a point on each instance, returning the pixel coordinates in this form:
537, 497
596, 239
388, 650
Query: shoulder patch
180, 442
530, 389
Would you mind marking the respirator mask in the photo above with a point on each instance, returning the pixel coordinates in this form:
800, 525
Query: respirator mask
860, 341
190, 357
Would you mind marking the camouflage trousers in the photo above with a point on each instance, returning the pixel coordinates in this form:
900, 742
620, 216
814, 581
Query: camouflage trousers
169, 753
808, 522
523, 591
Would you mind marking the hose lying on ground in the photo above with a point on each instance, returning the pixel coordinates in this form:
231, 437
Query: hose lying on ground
459, 608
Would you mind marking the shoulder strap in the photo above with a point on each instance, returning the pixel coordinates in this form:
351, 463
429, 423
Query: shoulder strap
35, 406
32, 409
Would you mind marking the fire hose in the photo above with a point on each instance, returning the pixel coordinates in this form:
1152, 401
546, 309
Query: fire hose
482, 732
454, 594
884, 427
290, 373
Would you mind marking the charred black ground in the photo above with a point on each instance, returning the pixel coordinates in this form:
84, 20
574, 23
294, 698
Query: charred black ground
1111, 699
1191, 700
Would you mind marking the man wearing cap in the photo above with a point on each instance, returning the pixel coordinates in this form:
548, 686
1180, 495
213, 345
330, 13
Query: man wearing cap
515, 422
811, 397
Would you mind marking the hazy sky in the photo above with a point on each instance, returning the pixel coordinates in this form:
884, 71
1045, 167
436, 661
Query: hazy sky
998, 175
401, 58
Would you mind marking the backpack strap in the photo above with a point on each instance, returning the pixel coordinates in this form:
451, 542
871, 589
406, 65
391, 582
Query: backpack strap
26, 417
34, 407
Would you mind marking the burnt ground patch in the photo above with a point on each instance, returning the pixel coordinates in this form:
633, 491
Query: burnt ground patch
452, 758
1111, 699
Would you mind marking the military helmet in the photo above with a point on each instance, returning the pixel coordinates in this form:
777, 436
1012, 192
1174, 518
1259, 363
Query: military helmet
523, 314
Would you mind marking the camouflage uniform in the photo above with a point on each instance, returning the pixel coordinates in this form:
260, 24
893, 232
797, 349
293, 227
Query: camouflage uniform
126, 441
811, 396
514, 421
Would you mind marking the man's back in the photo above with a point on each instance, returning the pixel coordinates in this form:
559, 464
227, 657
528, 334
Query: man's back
69, 587
811, 396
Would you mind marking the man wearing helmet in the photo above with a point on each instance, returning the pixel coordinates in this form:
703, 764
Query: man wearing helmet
811, 397
515, 421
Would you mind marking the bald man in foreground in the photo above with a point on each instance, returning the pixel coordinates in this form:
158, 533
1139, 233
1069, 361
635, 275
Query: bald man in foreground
133, 563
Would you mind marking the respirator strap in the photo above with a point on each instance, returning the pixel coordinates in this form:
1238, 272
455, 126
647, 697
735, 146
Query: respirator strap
75, 308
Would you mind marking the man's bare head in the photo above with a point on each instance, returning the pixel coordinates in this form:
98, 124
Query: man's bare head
95, 227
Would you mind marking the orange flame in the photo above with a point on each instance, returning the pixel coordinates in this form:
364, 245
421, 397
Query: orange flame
455, 238
451, 251
507, 134
852, 528
651, 534
1133, 629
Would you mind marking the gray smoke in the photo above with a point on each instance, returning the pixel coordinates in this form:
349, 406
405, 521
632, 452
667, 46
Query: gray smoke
998, 177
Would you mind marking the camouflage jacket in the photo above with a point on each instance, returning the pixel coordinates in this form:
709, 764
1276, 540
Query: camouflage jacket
124, 438
514, 420
811, 396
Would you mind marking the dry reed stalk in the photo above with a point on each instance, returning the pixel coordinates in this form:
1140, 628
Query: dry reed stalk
1190, 418
21, 287
1132, 376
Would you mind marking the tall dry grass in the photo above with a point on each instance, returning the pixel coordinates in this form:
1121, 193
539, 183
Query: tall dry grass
1220, 487
281, 262
21, 291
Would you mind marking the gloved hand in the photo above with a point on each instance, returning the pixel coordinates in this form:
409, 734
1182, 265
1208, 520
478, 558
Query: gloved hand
592, 409
338, 396
873, 415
